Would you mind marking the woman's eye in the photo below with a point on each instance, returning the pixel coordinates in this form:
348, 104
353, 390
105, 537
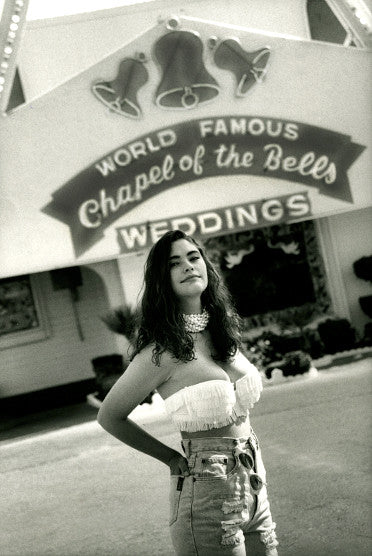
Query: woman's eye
173, 264
195, 258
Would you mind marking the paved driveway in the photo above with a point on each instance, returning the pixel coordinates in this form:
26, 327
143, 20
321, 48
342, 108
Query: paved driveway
77, 491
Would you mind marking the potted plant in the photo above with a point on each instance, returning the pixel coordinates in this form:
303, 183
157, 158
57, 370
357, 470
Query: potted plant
363, 270
108, 368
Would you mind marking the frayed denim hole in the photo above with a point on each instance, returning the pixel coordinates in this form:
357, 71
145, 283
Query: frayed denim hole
233, 533
233, 506
268, 538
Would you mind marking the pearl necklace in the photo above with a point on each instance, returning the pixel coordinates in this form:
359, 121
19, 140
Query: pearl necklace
196, 322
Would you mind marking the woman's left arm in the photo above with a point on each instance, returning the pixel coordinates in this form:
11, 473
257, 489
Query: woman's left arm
248, 381
139, 379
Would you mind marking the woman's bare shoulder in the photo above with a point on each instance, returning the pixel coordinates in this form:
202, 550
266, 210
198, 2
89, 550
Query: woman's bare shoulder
146, 358
145, 354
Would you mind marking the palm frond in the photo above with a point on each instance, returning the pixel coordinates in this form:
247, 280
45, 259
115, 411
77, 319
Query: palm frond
123, 320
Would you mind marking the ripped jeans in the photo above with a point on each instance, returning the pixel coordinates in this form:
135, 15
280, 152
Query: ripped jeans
222, 507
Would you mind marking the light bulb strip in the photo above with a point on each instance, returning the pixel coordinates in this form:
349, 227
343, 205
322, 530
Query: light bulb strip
362, 13
344, 10
11, 25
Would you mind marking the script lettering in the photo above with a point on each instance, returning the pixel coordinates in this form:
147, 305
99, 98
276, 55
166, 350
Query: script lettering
307, 165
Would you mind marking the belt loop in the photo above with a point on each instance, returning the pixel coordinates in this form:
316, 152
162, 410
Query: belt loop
252, 445
186, 447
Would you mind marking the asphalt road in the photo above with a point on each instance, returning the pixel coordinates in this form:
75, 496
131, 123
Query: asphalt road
77, 491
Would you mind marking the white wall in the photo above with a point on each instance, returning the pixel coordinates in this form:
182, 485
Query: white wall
55, 50
63, 358
351, 236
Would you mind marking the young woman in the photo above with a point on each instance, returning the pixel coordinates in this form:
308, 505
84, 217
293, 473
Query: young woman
188, 350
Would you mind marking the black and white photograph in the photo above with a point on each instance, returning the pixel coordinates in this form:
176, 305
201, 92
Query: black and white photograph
185, 277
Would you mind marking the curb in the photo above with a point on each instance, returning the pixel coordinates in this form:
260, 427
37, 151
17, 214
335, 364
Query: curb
342, 357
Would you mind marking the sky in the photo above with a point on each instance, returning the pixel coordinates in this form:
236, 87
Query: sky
40, 9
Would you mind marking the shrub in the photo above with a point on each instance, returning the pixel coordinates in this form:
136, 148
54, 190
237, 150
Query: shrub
337, 335
107, 368
296, 363
363, 268
122, 320
315, 346
367, 336
293, 363
365, 303
262, 350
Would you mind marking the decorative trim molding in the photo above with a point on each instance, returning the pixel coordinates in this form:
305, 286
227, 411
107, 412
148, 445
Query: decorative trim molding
339, 302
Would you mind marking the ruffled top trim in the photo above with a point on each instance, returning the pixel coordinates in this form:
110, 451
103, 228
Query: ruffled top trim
214, 403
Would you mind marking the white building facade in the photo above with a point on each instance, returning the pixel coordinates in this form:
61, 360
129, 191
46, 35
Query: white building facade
224, 119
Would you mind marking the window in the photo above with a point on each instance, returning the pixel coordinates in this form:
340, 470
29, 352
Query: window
22, 316
272, 271
324, 25
347, 22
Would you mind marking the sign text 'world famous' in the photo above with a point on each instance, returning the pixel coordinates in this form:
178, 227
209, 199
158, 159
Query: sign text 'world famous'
197, 149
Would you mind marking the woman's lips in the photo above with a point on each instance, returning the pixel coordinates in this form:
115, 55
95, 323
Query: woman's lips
190, 278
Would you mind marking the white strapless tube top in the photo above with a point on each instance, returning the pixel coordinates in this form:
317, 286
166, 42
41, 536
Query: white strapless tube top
214, 403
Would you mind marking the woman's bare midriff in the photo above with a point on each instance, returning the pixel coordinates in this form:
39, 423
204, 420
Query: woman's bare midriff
231, 431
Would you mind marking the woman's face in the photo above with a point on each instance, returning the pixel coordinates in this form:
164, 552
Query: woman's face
188, 271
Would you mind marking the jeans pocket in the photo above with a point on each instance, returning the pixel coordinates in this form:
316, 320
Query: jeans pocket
211, 465
174, 497
214, 466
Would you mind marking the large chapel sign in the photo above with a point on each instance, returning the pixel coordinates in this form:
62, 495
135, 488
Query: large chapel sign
240, 125
137, 171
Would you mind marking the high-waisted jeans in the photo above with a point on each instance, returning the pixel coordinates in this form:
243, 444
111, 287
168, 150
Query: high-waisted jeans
222, 507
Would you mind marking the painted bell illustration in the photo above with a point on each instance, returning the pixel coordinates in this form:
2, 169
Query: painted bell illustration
248, 67
120, 95
185, 82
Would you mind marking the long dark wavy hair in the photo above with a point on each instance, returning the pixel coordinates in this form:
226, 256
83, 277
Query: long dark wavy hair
161, 321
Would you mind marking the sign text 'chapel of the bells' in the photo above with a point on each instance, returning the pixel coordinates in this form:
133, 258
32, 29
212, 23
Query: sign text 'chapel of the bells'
197, 148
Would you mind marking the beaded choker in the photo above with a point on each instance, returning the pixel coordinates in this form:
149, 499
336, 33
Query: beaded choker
196, 322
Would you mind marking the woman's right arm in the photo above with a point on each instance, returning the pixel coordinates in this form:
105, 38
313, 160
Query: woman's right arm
139, 379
